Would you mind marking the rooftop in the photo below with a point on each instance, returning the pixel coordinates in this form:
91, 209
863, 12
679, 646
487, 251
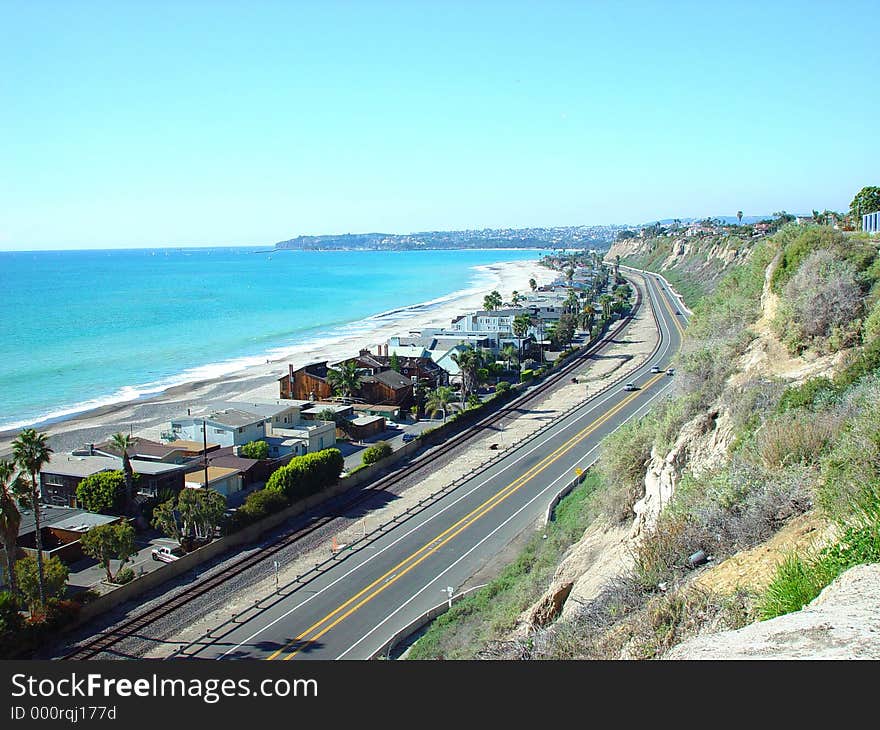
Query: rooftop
215, 474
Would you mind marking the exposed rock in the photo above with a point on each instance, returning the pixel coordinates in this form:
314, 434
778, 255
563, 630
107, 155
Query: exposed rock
702, 445
843, 622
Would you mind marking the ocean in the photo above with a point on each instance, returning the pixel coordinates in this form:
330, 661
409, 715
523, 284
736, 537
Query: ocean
82, 329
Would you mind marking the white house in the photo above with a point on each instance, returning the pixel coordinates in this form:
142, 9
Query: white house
227, 427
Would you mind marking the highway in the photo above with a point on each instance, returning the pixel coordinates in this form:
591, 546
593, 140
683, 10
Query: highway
351, 610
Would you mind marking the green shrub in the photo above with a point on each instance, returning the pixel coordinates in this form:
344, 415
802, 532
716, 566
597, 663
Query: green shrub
54, 574
255, 450
260, 504
795, 438
526, 375
126, 575
814, 392
798, 580
307, 475
376, 452
502, 387
623, 457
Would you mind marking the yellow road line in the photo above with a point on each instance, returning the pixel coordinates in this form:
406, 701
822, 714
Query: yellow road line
444, 537
671, 312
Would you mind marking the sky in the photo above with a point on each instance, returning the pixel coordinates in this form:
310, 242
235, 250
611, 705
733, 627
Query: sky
142, 124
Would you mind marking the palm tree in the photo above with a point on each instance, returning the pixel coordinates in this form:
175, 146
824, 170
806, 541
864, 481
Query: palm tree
345, 379
123, 442
492, 301
441, 399
12, 486
588, 314
605, 302
509, 354
468, 361
571, 303
533, 284
739, 217
31, 453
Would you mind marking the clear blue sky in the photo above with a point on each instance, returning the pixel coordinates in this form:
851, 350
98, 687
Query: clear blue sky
221, 123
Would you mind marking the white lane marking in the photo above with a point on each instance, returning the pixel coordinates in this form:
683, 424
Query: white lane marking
433, 581
589, 408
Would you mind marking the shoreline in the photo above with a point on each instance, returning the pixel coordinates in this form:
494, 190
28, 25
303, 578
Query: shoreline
147, 414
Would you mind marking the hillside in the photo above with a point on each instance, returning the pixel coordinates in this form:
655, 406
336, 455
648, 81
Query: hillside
753, 488
549, 238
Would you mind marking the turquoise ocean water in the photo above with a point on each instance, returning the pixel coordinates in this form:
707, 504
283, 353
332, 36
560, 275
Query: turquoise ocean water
81, 329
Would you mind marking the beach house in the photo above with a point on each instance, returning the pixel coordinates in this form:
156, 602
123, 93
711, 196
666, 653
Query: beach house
64, 472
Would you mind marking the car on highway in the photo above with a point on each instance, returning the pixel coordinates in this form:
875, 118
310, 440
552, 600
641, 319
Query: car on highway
630, 386
655, 369
671, 371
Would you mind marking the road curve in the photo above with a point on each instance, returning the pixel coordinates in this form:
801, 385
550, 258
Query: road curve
355, 607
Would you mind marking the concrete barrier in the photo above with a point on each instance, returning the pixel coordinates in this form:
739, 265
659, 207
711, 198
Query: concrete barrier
421, 621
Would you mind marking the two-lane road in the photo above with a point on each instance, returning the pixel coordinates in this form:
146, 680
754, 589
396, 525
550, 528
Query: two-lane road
351, 610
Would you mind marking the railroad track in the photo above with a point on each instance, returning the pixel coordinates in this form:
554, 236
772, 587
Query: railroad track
132, 626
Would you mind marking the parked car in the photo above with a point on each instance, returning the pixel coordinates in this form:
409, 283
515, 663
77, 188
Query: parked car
655, 369
164, 554
408, 437
630, 386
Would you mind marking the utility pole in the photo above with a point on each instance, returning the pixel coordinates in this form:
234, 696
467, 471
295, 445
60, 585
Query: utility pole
205, 449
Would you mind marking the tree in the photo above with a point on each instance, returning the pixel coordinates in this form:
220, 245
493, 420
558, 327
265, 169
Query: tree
167, 520
739, 217
588, 314
109, 542
605, 302
102, 492
122, 443
200, 512
31, 453
510, 354
533, 284
516, 298
492, 301
441, 399
468, 361
394, 362
12, 486
345, 380
39, 580
521, 324
867, 200
256, 449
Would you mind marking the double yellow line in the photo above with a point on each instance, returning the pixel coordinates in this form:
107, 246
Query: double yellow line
670, 310
346, 609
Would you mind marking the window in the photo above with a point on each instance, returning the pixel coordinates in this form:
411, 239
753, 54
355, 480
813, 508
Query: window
219, 430
241, 430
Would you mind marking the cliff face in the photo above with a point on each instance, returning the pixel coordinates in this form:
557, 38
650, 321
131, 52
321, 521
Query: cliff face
703, 259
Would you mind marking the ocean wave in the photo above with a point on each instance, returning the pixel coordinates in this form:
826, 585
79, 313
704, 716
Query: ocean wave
484, 276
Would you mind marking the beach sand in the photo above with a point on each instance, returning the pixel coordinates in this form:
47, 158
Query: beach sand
150, 417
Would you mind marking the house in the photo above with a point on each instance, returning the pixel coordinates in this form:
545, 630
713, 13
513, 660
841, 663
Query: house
176, 452
226, 426
871, 222
309, 383
226, 480
419, 368
387, 388
316, 435
362, 427
61, 529
62, 475
389, 413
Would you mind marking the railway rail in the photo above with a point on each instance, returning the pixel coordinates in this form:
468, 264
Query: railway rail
101, 643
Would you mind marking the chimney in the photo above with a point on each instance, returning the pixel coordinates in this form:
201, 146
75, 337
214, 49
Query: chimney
386, 349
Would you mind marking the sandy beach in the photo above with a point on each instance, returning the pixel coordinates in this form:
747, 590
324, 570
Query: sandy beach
149, 417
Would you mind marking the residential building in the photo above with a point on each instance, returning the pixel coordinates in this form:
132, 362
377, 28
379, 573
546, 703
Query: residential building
175, 452
62, 475
309, 383
387, 388
226, 426
225, 480
871, 222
